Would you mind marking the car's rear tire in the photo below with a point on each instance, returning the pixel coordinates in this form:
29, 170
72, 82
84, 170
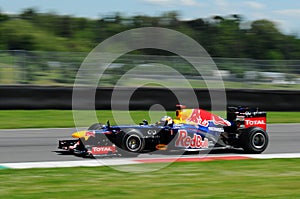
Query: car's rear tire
254, 140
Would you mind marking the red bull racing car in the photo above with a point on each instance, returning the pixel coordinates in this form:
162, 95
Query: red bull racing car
191, 130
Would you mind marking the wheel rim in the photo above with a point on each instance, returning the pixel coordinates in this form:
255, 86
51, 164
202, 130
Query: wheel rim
258, 140
133, 143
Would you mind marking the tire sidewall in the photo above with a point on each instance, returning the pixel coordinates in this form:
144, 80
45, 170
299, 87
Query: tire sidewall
247, 140
133, 134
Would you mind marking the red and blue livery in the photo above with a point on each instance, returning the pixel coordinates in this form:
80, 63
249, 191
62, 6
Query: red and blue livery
190, 130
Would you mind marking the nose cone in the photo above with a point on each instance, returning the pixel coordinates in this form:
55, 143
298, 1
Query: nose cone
79, 134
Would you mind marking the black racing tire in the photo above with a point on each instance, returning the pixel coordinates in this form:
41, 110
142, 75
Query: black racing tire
96, 126
254, 140
133, 141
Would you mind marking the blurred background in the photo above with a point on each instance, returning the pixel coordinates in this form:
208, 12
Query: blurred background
254, 44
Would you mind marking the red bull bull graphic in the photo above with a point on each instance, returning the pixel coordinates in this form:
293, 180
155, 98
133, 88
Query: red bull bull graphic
202, 117
90, 133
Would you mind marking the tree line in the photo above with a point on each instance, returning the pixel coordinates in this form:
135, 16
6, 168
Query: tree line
221, 36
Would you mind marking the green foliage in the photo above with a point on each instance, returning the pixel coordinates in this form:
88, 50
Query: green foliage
220, 36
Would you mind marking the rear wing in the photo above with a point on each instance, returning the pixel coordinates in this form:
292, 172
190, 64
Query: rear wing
245, 117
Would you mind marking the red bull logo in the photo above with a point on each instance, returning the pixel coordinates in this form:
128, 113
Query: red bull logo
90, 133
203, 117
198, 117
184, 140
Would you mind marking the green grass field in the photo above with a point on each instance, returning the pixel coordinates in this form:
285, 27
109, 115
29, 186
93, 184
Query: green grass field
11, 119
276, 178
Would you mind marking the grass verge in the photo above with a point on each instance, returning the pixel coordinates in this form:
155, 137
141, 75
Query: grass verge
11, 119
276, 178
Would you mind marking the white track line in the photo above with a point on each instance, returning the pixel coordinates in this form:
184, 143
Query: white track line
126, 161
57, 164
275, 155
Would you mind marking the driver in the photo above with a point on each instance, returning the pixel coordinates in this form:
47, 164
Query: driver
165, 121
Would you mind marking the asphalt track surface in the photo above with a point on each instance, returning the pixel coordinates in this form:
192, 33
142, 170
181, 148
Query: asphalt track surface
33, 145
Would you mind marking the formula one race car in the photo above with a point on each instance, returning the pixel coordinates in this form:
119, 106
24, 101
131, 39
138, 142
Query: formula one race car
191, 130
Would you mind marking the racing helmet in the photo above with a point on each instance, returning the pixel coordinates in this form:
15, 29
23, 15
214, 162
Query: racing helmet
166, 121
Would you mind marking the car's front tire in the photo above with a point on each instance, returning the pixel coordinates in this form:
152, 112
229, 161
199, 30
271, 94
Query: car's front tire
133, 142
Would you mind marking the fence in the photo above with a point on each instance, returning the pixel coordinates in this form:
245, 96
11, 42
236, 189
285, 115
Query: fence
50, 97
60, 68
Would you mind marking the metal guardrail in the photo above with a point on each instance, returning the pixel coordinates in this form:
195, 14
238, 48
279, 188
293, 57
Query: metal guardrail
60, 68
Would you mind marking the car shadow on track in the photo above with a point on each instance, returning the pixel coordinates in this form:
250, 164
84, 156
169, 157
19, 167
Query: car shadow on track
165, 154
66, 153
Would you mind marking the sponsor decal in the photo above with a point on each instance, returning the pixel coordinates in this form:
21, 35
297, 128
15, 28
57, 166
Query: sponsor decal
90, 133
256, 121
151, 136
103, 150
203, 117
193, 129
198, 118
220, 121
216, 129
184, 140
151, 132
161, 147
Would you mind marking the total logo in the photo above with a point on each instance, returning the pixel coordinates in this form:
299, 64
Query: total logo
256, 121
103, 150
184, 140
